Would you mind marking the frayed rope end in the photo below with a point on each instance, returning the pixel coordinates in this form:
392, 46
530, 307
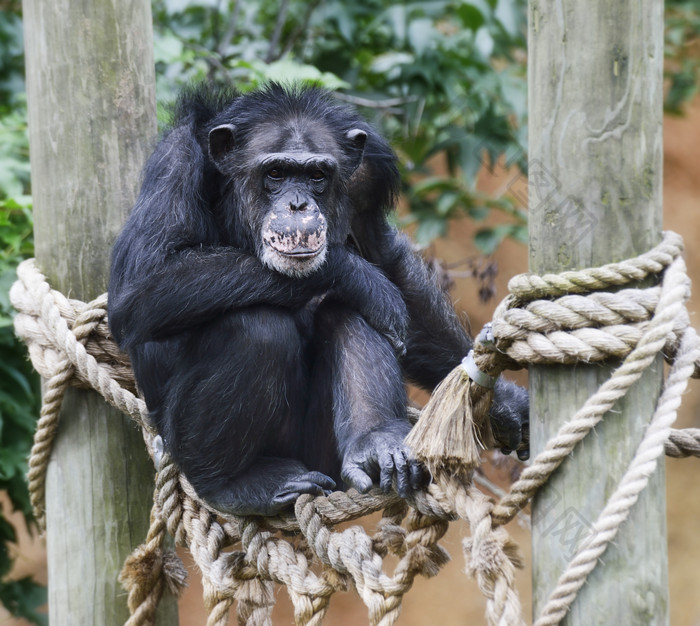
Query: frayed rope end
454, 427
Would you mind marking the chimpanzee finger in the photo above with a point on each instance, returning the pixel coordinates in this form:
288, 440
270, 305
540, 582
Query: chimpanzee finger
283, 500
420, 476
403, 479
313, 483
398, 345
356, 477
386, 470
320, 479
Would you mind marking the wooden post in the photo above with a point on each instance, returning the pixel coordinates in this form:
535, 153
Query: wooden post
595, 96
91, 95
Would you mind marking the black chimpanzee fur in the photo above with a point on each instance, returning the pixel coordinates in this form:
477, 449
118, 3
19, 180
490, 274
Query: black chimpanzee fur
271, 312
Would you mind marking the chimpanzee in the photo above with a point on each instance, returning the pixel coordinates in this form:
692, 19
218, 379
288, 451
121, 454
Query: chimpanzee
270, 311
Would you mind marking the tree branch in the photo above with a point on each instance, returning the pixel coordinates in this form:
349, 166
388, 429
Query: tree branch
279, 25
231, 30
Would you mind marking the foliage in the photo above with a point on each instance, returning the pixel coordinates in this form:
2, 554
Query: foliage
682, 52
422, 71
19, 384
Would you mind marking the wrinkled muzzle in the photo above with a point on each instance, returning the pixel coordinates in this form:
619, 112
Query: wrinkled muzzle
301, 234
294, 242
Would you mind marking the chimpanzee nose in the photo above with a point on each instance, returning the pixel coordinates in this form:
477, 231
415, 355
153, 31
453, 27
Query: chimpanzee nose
298, 204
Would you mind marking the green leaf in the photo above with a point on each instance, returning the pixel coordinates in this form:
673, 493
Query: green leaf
17, 377
483, 42
390, 62
446, 203
509, 14
488, 239
520, 234
430, 228
19, 202
23, 597
167, 47
420, 35
478, 214
396, 17
473, 14
433, 183
12, 462
289, 71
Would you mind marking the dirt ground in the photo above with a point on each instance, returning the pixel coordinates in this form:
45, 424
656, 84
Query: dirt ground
451, 598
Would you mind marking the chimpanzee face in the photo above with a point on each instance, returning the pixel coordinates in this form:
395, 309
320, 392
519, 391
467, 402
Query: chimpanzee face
295, 229
296, 177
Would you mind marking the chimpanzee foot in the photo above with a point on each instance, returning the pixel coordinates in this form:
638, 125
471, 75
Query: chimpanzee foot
267, 487
314, 483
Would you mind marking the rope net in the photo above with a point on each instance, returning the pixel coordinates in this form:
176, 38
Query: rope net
543, 320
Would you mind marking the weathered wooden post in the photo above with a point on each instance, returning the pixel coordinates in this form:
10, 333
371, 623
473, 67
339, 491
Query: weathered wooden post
90, 86
595, 72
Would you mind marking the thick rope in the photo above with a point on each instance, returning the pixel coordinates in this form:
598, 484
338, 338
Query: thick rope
671, 304
70, 345
59, 353
631, 485
670, 308
662, 329
653, 262
148, 571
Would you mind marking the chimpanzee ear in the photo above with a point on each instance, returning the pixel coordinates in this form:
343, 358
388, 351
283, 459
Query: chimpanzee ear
356, 140
221, 142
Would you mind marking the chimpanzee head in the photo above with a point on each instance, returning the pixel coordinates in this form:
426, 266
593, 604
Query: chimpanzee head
287, 161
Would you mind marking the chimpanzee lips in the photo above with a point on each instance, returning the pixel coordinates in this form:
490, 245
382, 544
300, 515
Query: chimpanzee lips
299, 245
297, 236
302, 253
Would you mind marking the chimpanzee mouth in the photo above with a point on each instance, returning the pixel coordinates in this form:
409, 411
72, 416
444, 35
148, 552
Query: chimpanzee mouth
296, 245
301, 253
294, 260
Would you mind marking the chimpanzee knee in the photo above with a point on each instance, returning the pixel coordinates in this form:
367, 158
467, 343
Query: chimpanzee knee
249, 387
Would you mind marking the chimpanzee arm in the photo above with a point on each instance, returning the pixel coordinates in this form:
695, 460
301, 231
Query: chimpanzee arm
194, 285
436, 340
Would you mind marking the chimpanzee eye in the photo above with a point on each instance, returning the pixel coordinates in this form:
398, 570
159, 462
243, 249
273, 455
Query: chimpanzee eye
317, 175
275, 174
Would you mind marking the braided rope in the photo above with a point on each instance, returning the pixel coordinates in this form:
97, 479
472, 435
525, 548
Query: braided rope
148, 571
630, 486
659, 335
60, 354
653, 262
661, 331
70, 345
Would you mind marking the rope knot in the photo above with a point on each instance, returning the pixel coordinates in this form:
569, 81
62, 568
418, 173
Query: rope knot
145, 575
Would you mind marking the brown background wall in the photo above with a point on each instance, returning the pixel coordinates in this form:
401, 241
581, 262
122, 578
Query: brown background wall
451, 598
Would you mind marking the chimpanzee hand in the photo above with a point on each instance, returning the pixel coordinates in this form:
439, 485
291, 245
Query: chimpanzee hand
365, 288
510, 418
380, 456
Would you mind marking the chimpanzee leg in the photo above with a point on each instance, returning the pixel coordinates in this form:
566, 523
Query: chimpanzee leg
357, 387
232, 410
